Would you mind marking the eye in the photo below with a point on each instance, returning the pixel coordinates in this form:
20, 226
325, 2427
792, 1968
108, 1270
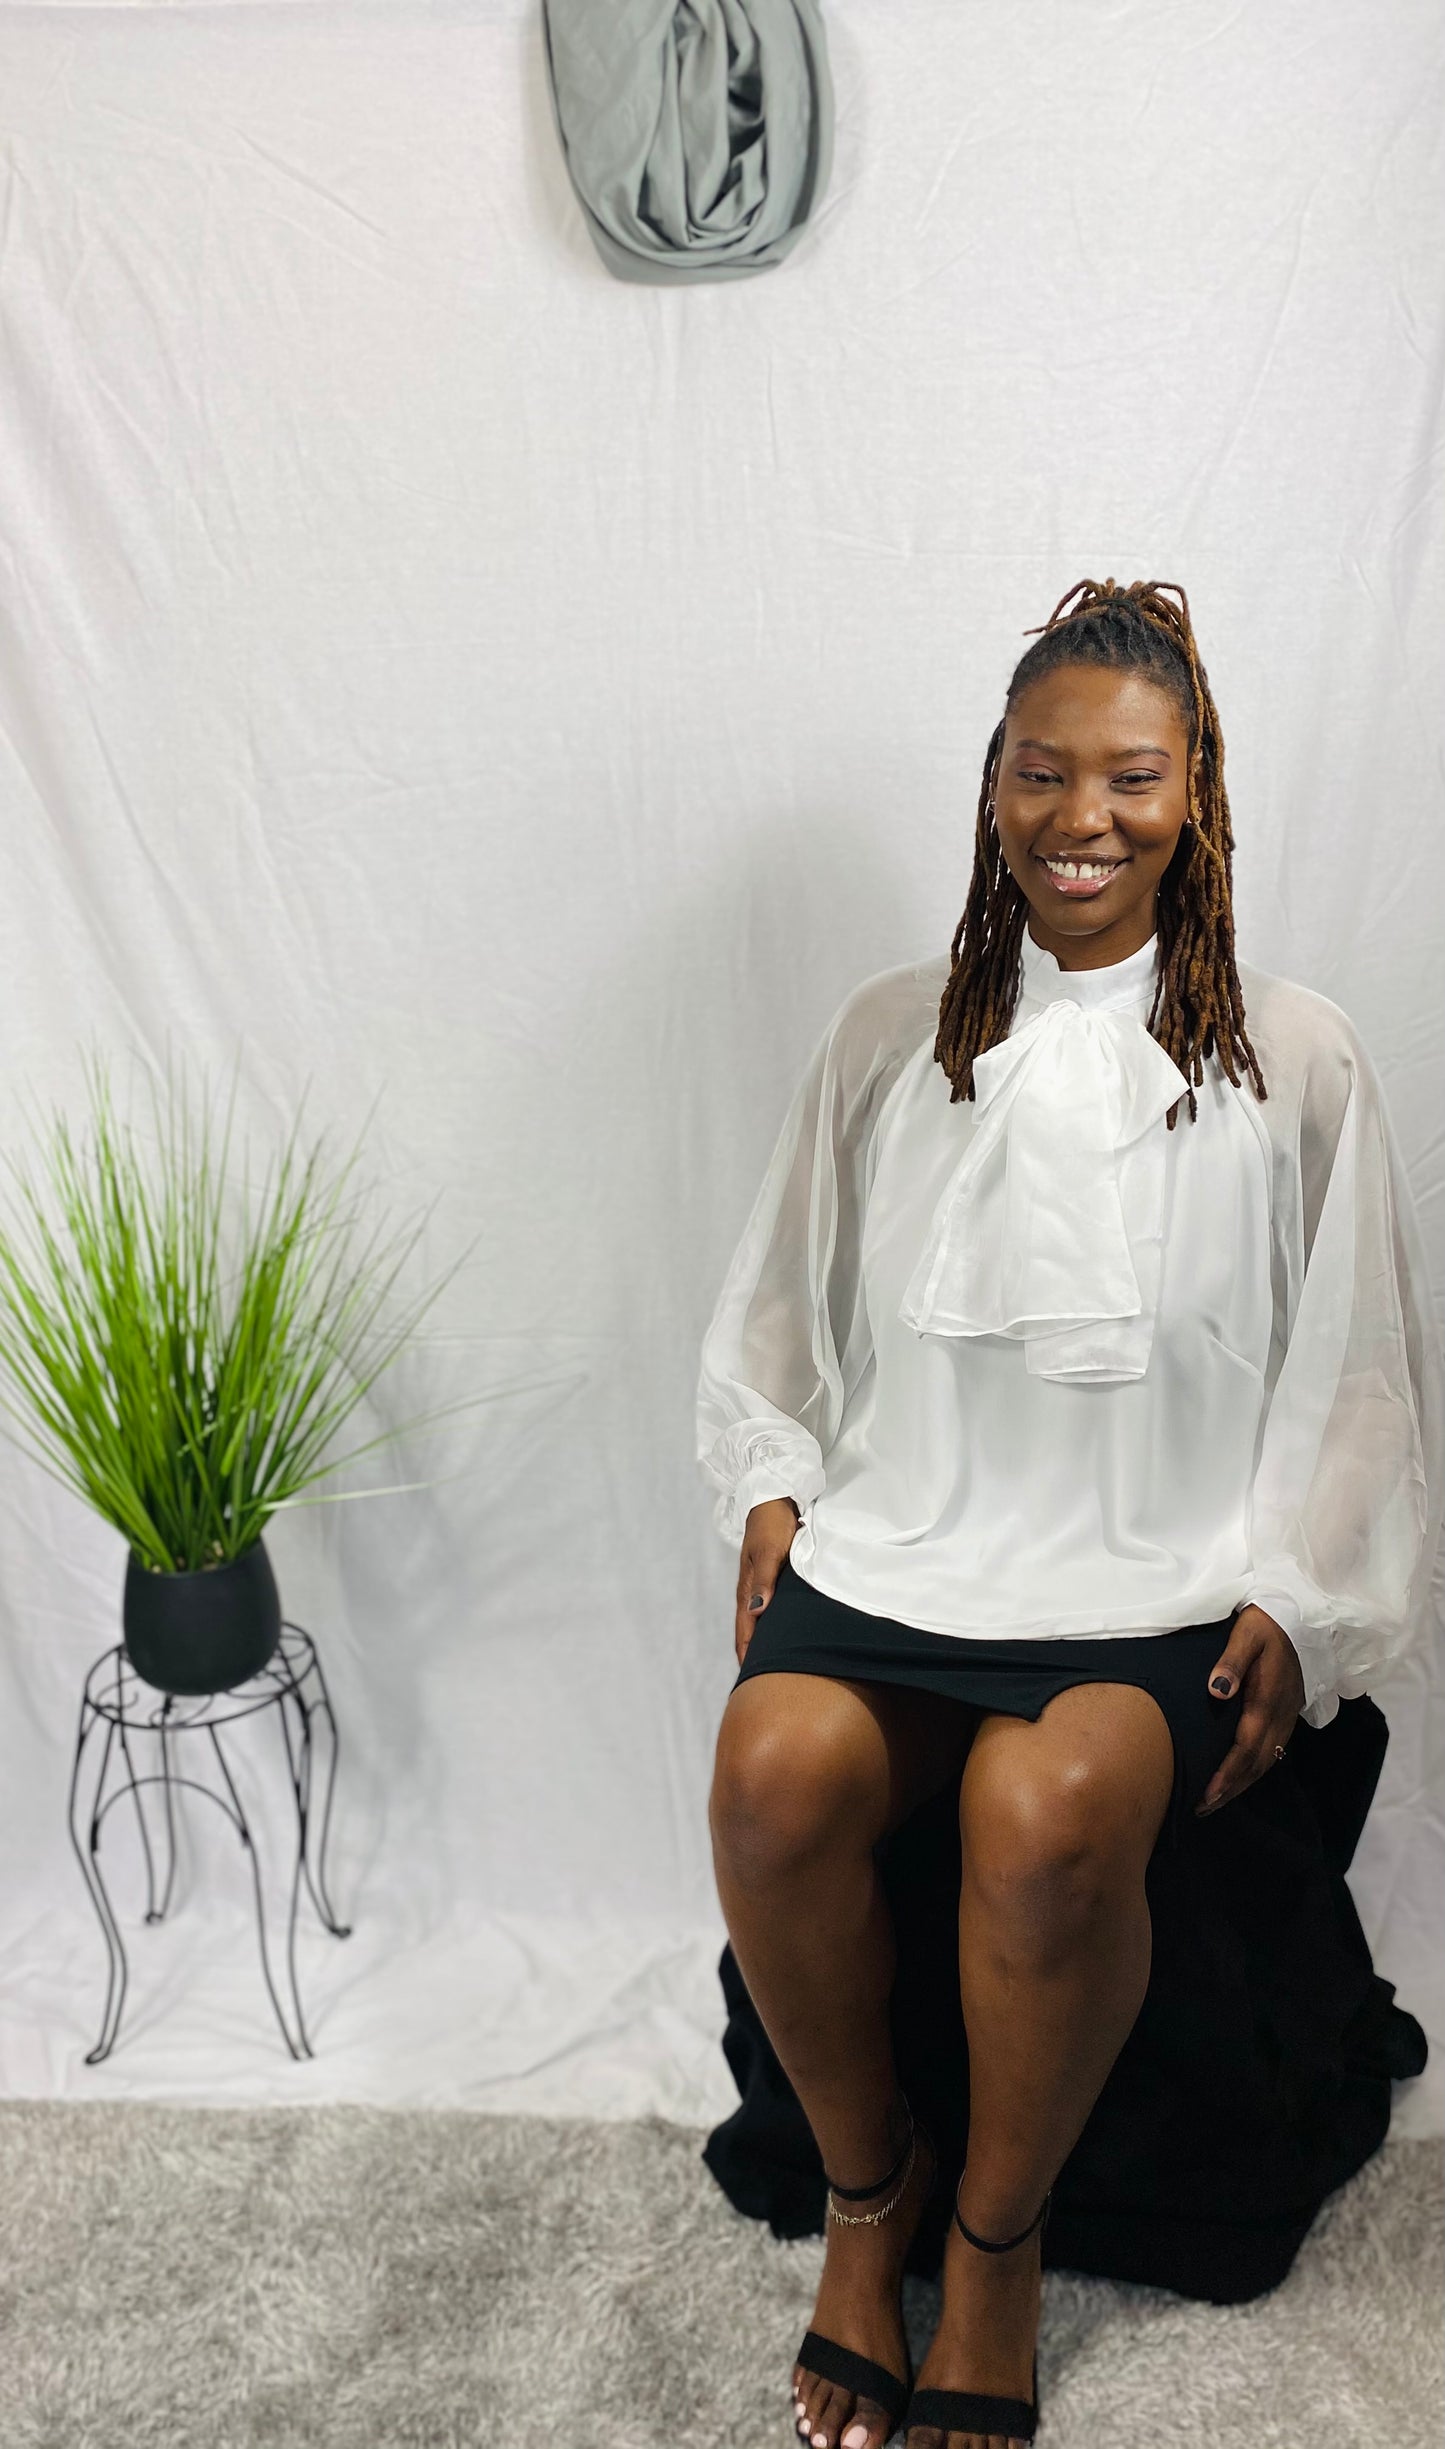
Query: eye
1032, 773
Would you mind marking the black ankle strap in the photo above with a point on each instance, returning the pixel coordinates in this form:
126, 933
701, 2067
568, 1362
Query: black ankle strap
860, 2193
991, 2244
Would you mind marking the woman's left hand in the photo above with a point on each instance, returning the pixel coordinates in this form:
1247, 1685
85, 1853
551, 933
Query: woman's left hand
1262, 1664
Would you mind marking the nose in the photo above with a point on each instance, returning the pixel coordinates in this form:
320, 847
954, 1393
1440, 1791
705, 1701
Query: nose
1083, 818
1088, 831
1086, 808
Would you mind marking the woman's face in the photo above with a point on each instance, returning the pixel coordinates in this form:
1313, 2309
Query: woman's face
1094, 765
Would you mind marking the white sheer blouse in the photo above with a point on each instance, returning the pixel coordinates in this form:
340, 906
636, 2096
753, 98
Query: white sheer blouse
1036, 1366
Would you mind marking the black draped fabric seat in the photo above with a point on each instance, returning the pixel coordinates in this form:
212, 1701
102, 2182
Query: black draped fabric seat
1255, 2081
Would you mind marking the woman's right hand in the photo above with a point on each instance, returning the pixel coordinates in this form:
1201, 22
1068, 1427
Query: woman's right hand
770, 1532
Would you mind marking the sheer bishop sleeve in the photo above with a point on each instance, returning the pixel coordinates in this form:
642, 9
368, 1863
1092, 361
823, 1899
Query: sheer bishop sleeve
789, 1334
1347, 1495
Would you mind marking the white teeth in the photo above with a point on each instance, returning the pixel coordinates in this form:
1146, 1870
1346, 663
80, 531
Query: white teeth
1080, 867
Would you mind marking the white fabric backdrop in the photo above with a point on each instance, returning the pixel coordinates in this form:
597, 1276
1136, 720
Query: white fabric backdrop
449, 673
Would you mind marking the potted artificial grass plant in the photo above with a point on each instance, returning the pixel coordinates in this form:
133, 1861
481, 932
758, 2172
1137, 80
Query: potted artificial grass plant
182, 1354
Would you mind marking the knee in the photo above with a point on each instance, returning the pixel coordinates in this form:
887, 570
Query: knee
1047, 1855
782, 1795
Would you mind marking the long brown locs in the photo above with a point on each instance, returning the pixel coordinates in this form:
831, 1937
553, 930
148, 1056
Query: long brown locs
1199, 1006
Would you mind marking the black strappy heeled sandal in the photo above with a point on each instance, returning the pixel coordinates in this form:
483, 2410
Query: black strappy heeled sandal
971, 2410
828, 2357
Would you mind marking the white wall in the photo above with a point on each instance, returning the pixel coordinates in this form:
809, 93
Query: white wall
456, 675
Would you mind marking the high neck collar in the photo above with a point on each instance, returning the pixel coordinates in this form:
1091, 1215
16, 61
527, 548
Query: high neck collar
1120, 986
1048, 1230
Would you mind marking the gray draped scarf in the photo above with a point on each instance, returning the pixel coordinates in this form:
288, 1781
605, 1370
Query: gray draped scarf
698, 134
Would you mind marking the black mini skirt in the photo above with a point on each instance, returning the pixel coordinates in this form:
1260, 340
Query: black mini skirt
802, 1631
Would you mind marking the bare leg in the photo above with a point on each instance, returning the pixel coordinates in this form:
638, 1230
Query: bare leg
1058, 1820
811, 1771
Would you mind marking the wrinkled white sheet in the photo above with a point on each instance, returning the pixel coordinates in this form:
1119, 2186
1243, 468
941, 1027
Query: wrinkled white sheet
457, 676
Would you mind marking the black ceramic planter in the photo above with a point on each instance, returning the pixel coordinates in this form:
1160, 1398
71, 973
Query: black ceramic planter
203, 1631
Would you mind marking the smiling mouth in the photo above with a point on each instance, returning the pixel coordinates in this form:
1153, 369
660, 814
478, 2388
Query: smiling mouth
1068, 881
1095, 869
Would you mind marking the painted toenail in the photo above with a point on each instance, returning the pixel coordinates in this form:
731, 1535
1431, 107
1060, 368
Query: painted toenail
855, 2436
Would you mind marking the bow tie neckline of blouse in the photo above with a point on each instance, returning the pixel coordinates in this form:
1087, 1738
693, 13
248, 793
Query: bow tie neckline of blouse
1048, 1229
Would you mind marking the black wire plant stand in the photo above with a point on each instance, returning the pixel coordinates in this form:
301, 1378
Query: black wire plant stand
119, 1701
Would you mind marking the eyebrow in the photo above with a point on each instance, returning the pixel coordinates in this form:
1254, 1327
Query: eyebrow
1118, 755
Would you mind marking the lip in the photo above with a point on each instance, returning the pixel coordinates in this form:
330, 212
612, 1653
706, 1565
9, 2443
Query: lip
1079, 888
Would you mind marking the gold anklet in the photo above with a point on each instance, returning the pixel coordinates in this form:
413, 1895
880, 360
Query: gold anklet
869, 2219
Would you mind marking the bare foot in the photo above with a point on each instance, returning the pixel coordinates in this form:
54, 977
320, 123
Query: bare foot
986, 2335
859, 2305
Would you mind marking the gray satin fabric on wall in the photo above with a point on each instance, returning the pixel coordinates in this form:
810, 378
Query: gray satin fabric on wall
698, 134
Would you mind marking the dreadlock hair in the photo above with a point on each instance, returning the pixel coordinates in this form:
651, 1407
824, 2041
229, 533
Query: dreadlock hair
1132, 629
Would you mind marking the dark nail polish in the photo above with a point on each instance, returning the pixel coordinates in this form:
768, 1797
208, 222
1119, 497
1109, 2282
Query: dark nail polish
1222, 1684
752, 1603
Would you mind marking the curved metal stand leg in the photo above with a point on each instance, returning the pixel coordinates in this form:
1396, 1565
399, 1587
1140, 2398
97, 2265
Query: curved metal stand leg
304, 2049
167, 1784
152, 1913
298, 1768
88, 1857
306, 1711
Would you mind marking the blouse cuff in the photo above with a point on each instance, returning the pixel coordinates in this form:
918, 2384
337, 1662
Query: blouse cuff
1314, 1646
779, 1474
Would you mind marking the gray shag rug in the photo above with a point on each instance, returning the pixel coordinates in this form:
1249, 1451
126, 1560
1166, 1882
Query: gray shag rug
356, 2278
